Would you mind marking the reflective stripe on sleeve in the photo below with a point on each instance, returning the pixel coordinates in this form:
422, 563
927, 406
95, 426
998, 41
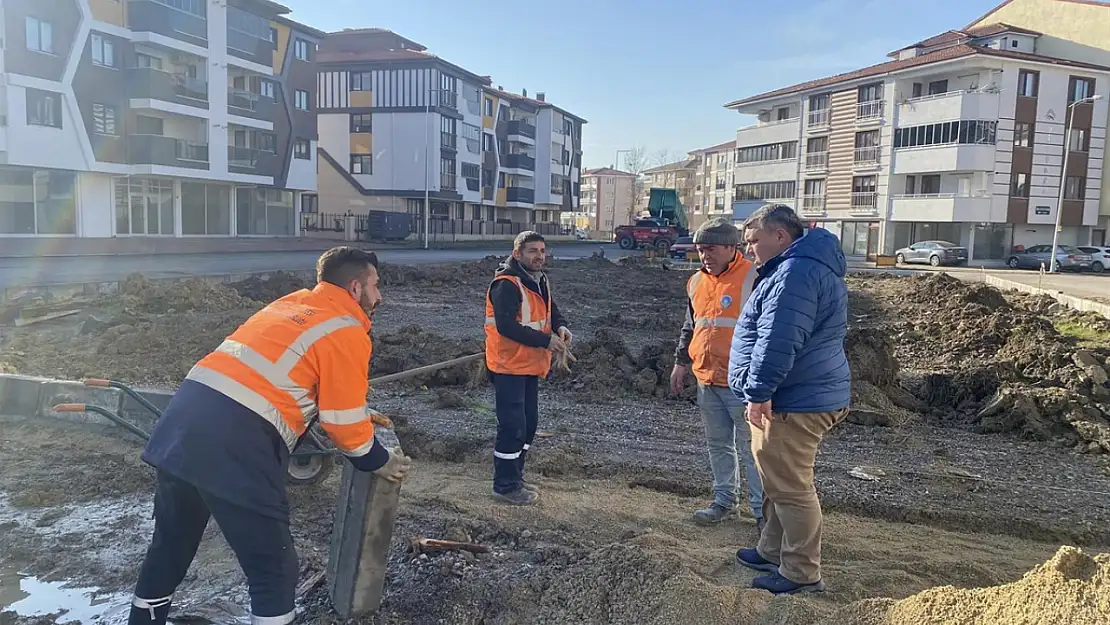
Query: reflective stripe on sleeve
309, 337
361, 450
344, 417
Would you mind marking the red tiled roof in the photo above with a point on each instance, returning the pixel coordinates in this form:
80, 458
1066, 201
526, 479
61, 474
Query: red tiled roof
606, 171
727, 145
958, 36
998, 29
373, 55
944, 54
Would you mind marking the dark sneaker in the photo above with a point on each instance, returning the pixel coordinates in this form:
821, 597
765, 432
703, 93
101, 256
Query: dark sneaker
522, 497
750, 558
530, 486
779, 585
714, 514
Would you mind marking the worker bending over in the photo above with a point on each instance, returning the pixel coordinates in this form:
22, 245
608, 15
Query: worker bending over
715, 296
520, 315
222, 447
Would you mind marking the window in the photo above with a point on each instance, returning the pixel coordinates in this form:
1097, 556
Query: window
930, 184
301, 99
44, 108
471, 170
966, 132
1028, 83
362, 164
300, 49
205, 209
783, 114
1080, 140
489, 107
361, 81
247, 23
938, 87
1080, 89
362, 122
487, 142
447, 127
193, 7
103, 51
104, 119
1019, 184
557, 182
37, 201
264, 211
871, 93
447, 173
146, 125
867, 139
473, 136
145, 206
1075, 188
310, 203
302, 149
145, 60
273, 36
817, 144
266, 88
765, 190
1023, 135
768, 152
40, 35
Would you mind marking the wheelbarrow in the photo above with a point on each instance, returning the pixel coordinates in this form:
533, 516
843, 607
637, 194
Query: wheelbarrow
312, 457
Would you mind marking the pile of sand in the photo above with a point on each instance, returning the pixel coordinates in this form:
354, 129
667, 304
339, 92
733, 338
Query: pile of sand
1072, 588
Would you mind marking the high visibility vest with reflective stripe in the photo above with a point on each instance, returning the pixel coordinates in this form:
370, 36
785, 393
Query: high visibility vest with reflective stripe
507, 356
304, 355
717, 302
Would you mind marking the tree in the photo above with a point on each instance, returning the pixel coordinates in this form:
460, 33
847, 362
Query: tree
635, 163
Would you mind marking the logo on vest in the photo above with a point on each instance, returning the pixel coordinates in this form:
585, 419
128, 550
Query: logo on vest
726, 301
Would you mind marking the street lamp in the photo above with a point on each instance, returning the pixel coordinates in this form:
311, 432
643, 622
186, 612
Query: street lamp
1064, 178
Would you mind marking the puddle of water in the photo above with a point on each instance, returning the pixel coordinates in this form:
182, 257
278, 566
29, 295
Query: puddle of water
31, 597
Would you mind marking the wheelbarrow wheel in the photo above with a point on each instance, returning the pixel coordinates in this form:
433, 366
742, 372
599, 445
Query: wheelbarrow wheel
308, 470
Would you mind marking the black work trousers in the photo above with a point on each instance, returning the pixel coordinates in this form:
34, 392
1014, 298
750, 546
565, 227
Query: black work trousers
262, 544
518, 412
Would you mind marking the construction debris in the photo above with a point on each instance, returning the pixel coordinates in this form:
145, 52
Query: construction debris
418, 545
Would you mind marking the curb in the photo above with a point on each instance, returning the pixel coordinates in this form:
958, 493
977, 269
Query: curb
34, 397
1071, 301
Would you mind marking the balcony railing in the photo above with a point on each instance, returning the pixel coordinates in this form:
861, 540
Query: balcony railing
817, 161
865, 201
473, 107
250, 104
520, 195
813, 203
819, 118
522, 128
168, 151
518, 161
447, 181
869, 110
448, 140
868, 155
191, 151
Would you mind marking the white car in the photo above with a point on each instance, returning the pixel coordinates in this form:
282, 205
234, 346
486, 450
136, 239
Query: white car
1100, 256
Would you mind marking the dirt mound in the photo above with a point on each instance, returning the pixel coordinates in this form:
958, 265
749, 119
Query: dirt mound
1071, 588
275, 286
195, 295
411, 347
452, 274
607, 367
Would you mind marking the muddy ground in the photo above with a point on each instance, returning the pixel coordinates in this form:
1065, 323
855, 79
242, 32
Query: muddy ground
982, 416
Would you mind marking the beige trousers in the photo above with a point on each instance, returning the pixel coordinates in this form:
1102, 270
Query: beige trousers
785, 450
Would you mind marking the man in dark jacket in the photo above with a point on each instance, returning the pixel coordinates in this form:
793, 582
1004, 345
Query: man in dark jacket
523, 329
789, 365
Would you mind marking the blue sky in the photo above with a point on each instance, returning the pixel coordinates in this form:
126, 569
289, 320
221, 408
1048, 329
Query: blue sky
646, 72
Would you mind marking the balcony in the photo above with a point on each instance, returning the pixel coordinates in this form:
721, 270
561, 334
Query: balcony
248, 104
518, 161
819, 119
867, 156
520, 128
865, 203
156, 17
167, 151
943, 107
941, 207
945, 157
520, 195
448, 181
249, 47
817, 161
155, 84
813, 204
869, 111
763, 133
252, 161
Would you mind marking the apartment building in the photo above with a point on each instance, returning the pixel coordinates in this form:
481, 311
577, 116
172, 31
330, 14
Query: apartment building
681, 175
155, 118
398, 124
957, 137
608, 200
713, 187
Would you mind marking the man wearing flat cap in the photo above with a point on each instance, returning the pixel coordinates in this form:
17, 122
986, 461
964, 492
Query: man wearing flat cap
715, 297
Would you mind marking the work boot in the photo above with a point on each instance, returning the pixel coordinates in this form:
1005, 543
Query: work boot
779, 585
530, 486
714, 514
519, 497
749, 557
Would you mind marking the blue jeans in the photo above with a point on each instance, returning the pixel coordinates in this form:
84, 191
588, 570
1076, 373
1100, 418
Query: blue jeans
723, 416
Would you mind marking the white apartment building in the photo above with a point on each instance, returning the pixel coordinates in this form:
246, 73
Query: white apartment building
713, 184
958, 137
161, 118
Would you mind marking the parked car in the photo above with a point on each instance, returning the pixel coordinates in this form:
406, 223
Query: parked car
681, 246
936, 253
1068, 258
1100, 257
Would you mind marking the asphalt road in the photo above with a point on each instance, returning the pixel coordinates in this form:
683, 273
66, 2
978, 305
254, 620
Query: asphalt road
22, 272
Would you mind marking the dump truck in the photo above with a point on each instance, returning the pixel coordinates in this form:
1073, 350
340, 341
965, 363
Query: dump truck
663, 223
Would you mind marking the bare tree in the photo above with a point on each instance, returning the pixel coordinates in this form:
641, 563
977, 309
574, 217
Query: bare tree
635, 163
662, 157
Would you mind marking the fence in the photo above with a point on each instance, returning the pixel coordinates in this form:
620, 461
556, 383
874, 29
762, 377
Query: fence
439, 229
337, 222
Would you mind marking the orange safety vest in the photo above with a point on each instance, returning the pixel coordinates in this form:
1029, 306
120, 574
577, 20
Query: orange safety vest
512, 358
304, 355
717, 302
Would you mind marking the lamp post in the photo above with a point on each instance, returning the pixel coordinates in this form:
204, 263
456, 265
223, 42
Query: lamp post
427, 164
1064, 178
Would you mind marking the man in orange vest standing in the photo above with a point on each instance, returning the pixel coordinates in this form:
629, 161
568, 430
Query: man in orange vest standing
222, 447
520, 317
716, 295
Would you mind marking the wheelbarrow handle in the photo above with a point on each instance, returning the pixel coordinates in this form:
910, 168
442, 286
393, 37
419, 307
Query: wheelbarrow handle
132, 393
107, 414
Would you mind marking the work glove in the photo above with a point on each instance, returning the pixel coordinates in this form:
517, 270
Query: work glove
396, 469
565, 334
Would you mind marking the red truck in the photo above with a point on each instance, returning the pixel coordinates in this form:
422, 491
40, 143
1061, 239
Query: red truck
664, 225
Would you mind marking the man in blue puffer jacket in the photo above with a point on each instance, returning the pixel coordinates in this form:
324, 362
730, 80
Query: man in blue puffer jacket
788, 364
